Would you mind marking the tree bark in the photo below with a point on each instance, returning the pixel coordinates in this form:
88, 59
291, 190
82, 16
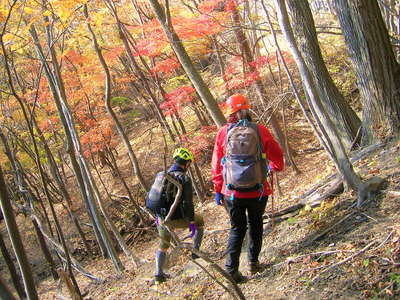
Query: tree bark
259, 86
16, 241
52, 81
374, 62
342, 115
5, 292
326, 126
11, 268
184, 59
107, 100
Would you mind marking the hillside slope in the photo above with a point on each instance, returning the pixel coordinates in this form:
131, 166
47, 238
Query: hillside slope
331, 251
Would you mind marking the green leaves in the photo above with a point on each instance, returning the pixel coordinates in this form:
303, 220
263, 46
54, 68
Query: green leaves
366, 262
292, 221
119, 100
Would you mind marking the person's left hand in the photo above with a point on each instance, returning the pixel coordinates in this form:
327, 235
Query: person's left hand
193, 229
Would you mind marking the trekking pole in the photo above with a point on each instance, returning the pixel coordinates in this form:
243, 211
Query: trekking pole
272, 205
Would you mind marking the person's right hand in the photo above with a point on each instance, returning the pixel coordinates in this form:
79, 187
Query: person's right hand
219, 198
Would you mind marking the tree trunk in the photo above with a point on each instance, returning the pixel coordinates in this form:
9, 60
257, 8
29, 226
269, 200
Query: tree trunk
16, 241
259, 86
51, 78
11, 268
342, 115
5, 293
56, 175
29, 198
184, 59
328, 129
378, 73
134, 64
71, 133
107, 100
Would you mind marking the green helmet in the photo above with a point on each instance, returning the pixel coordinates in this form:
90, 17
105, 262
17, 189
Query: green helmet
183, 153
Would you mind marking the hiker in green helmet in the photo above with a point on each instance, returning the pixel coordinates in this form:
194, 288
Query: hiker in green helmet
161, 198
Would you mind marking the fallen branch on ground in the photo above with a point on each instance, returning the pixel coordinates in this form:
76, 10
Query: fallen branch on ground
235, 291
316, 278
55, 245
290, 260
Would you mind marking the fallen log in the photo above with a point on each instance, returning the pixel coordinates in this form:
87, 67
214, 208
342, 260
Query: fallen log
331, 186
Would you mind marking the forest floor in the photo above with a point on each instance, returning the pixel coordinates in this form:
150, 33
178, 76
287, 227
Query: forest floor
331, 251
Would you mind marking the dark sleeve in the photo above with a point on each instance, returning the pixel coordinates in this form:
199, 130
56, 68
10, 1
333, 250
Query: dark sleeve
187, 199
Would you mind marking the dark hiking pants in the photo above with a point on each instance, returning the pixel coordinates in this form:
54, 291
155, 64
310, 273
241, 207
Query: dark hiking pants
243, 213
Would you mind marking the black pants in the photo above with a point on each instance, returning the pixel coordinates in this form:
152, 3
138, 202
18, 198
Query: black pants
237, 209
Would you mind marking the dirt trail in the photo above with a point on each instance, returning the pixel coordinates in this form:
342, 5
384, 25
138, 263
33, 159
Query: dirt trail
288, 253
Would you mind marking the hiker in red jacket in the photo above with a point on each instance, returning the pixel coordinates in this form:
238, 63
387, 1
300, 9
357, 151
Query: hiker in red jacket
244, 153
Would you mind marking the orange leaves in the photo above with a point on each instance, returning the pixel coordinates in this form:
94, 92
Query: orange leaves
113, 54
181, 95
50, 124
166, 66
75, 57
151, 46
100, 136
196, 27
235, 78
176, 99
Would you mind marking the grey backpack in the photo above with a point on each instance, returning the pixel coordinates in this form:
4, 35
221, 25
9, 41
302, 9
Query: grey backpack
244, 165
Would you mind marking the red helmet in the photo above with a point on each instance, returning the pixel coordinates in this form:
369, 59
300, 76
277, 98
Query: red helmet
237, 102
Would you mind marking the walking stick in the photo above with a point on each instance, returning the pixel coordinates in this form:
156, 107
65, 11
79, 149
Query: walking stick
272, 205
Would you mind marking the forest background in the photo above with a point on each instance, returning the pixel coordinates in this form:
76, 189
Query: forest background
95, 95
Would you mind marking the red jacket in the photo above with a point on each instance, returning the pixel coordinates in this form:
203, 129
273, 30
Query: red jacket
269, 146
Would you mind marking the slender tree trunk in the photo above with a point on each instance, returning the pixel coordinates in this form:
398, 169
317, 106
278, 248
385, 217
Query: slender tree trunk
47, 195
330, 134
202, 121
67, 120
293, 85
16, 241
259, 86
56, 175
342, 115
29, 198
45, 250
87, 197
107, 100
221, 65
141, 75
5, 293
11, 268
187, 64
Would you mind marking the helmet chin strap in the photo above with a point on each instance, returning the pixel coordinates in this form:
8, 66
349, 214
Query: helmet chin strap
242, 114
185, 166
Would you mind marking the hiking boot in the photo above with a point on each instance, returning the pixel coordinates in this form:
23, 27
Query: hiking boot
160, 278
238, 277
254, 268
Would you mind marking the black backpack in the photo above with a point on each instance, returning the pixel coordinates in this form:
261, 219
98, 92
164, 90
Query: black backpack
161, 195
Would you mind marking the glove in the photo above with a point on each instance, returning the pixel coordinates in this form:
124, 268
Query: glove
269, 169
219, 198
157, 223
193, 229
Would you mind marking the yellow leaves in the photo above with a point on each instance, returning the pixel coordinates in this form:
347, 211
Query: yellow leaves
47, 13
28, 10
3, 14
8, 37
98, 19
